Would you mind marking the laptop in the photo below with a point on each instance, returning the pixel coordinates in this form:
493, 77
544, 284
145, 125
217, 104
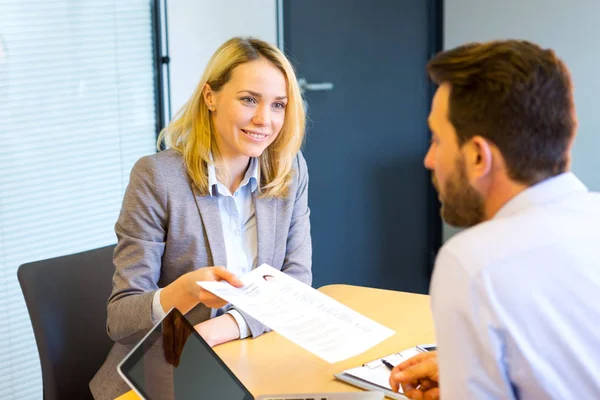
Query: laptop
173, 362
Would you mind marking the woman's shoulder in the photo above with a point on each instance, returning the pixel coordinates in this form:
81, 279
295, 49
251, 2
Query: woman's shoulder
299, 175
300, 164
167, 162
160, 173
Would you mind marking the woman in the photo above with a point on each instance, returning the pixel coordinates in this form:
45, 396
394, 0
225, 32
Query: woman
229, 195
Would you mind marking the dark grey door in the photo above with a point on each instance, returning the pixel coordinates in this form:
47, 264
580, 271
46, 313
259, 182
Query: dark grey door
374, 217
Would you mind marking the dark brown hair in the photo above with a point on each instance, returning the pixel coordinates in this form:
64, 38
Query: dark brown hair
516, 95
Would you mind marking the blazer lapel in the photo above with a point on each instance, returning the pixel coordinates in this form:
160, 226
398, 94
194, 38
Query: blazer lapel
266, 220
208, 206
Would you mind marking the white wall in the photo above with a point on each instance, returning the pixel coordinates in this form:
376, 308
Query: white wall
196, 28
572, 29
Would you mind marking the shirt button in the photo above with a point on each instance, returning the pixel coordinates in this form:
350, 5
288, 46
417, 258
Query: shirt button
237, 232
236, 194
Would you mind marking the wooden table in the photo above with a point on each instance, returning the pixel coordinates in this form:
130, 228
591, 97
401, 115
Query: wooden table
273, 364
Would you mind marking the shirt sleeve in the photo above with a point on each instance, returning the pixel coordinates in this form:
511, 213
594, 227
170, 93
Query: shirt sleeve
242, 324
157, 311
140, 230
471, 350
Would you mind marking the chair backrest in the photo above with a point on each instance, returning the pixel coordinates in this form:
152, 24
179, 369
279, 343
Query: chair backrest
66, 298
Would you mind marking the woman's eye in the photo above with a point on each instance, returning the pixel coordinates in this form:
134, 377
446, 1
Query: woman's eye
279, 105
249, 100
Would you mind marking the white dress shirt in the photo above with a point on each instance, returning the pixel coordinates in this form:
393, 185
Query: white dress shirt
516, 300
238, 221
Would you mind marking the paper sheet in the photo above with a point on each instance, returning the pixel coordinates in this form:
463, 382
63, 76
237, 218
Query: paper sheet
307, 317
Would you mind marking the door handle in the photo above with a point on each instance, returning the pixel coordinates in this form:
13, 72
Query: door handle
321, 86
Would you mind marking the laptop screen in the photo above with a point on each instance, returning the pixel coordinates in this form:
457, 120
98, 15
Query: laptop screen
173, 362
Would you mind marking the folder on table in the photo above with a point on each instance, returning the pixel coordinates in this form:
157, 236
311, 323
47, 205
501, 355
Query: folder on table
375, 375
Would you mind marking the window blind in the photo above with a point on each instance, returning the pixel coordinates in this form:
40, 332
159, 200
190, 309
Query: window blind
77, 109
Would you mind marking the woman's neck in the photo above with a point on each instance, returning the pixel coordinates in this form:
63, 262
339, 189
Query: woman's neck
236, 169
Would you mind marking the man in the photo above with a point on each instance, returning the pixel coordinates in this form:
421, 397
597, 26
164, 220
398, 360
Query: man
515, 298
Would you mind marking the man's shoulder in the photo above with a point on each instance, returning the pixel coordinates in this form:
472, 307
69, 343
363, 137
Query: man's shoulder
491, 242
508, 238
473, 245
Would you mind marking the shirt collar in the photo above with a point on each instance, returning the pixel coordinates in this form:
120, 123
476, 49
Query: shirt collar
251, 177
544, 192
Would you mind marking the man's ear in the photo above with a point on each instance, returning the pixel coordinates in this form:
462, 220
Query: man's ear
479, 157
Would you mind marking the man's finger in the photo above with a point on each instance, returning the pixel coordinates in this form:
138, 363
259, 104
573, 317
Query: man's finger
411, 392
417, 372
432, 394
406, 386
394, 384
415, 360
427, 384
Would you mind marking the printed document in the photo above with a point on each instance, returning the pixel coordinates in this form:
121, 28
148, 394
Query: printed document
307, 317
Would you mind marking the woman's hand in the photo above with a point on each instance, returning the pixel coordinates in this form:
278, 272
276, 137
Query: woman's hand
208, 274
218, 330
184, 293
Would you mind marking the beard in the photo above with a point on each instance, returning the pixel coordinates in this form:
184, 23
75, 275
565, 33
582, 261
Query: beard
462, 205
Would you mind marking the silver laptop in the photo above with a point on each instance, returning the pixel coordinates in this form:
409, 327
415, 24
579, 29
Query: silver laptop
173, 362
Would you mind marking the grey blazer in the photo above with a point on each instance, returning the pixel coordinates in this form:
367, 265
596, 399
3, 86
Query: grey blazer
166, 229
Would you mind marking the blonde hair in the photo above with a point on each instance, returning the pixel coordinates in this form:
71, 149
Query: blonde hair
192, 133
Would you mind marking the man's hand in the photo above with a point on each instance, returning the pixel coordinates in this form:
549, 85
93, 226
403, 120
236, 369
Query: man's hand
418, 376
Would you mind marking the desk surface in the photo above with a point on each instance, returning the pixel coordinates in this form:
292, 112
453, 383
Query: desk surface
273, 364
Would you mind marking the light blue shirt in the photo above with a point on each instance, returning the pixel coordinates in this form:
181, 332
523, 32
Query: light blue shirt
516, 300
238, 221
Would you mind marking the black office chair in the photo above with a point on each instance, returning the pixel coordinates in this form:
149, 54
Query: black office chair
66, 298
